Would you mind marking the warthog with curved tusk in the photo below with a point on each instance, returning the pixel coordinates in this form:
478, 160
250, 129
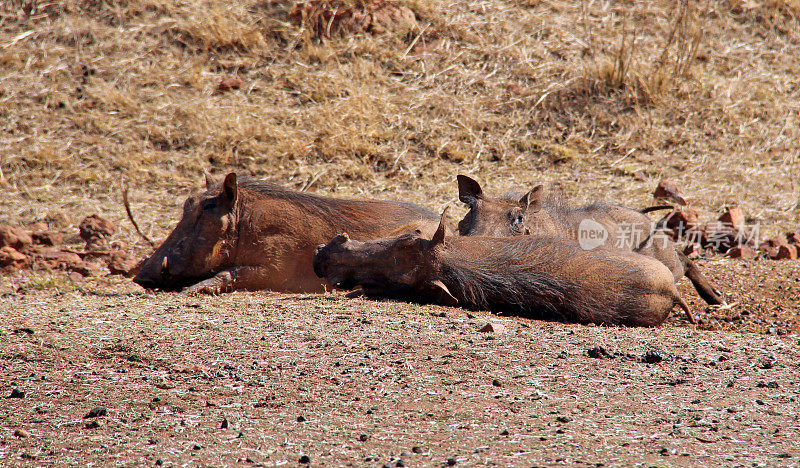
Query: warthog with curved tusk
540, 277
248, 234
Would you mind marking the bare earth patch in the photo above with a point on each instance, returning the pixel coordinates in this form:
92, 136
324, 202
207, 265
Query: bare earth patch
258, 378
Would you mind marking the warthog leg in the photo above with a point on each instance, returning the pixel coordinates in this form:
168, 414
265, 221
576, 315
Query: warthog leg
233, 279
220, 283
709, 294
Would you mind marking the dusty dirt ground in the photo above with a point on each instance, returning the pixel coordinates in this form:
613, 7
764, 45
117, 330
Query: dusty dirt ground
604, 99
364, 383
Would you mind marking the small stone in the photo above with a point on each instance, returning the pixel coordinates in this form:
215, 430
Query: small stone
22, 433
96, 412
159, 462
51, 238
14, 236
400, 463
504, 432
652, 357
744, 252
786, 252
683, 221
668, 190
693, 250
598, 352
497, 383
17, 393
122, 263
92, 424
197, 447
416, 449
493, 328
563, 419
451, 462
305, 460
224, 424
12, 259
228, 83
734, 217
96, 232
363, 437
301, 419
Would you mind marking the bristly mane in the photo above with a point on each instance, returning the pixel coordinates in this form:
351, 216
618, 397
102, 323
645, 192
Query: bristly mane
339, 210
513, 276
557, 205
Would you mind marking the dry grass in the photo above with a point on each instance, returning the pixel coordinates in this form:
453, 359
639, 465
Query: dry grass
511, 92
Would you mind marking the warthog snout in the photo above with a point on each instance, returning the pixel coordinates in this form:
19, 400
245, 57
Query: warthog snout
153, 274
323, 252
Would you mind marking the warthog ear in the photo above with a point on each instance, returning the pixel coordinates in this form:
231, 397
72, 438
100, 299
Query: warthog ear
438, 236
533, 200
468, 190
209, 180
443, 294
229, 188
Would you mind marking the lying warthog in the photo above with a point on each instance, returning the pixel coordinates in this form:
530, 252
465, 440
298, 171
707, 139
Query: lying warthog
611, 226
257, 235
541, 277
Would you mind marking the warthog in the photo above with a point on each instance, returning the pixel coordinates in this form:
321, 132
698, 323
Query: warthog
610, 226
540, 277
254, 235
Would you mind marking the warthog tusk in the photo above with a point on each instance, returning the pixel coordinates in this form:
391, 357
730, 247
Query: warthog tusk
164, 264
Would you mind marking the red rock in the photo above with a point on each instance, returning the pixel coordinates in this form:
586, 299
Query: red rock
96, 231
684, 223
668, 190
721, 237
12, 259
492, 327
52, 238
743, 251
228, 83
54, 259
770, 246
692, 250
14, 236
21, 433
734, 217
121, 263
786, 252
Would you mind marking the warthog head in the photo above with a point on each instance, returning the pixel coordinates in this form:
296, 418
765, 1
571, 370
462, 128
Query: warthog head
396, 266
201, 244
501, 217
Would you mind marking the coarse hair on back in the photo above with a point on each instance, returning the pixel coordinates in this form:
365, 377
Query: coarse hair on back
338, 211
515, 278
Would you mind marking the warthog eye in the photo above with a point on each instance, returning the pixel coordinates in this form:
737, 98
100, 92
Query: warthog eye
209, 205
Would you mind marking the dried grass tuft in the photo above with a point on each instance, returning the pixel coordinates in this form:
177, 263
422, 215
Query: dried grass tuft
513, 93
